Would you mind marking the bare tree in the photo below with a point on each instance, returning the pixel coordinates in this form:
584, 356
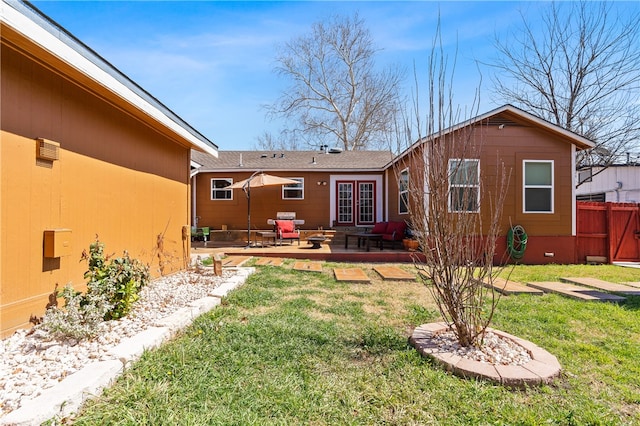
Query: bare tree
268, 142
336, 96
445, 185
579, 70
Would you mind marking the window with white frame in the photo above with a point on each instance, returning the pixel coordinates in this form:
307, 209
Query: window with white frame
464, 185
585, 175
537, 186
403, 192
219, 189
293, 191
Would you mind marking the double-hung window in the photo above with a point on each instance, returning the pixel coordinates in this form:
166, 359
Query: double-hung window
293, 191
219, 189
538, 186
403, 192
464, 185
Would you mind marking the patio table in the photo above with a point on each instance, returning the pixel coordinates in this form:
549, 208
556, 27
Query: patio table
363, 237
268, 235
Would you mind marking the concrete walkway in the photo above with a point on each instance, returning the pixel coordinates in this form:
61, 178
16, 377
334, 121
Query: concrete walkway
352, 275
576, 292
511, 287
607, 286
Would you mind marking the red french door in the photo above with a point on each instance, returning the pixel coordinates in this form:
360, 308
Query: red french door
356, 203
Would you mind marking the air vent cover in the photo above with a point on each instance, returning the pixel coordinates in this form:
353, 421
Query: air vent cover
47, 150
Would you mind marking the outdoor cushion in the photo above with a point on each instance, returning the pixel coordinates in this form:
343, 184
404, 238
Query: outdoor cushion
394, 231
285, 226
379, 228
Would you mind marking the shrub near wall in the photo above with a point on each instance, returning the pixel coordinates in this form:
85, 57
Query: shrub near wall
112, 288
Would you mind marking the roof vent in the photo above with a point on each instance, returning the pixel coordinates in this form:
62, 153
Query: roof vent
335, 150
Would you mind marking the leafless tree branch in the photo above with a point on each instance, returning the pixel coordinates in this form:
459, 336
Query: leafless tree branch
580, 70
336, 95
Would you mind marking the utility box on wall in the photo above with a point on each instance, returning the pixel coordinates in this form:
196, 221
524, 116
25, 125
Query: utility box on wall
57, 242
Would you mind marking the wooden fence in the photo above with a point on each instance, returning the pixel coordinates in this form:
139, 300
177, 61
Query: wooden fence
608, 230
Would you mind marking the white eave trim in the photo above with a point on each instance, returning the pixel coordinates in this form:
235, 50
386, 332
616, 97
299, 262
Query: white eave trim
34, 32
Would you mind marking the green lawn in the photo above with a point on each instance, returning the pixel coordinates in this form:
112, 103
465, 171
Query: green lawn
292, 348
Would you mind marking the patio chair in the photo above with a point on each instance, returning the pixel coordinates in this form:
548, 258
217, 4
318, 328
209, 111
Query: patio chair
286, 230
200, 233
394, 233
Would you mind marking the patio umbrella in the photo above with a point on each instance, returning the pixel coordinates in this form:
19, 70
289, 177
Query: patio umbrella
257, 180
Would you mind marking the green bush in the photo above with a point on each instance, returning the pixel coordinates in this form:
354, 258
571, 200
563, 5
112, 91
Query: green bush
112, 288
118, 281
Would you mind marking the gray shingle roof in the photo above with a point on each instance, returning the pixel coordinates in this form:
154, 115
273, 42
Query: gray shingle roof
293, 160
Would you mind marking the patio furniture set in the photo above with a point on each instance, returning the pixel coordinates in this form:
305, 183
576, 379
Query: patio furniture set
285, 228
391, 231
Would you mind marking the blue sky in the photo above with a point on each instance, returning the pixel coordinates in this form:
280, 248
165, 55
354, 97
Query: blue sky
212, 62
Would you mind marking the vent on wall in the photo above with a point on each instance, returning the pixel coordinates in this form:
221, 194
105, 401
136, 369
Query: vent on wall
47, 150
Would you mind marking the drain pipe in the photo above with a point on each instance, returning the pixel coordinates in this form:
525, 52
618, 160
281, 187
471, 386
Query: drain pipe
619, 187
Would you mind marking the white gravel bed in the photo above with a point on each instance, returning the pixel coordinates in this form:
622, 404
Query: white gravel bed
495, 350
31, 362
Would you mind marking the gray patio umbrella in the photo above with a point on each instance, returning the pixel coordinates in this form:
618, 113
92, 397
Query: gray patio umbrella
257, 180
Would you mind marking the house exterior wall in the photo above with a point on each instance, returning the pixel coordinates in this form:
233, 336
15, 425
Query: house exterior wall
414, 165
551, 236
513, 145
619, 184
116, 177
315, 209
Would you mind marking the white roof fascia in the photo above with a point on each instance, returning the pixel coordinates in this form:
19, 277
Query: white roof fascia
34, 32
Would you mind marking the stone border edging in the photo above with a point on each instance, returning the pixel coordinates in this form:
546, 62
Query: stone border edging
68, 396
542, 368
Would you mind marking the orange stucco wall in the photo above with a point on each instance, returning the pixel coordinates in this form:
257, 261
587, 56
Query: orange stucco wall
116, 177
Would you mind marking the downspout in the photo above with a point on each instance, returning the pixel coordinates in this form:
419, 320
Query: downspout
574, 206
617, 190
386, 196
194, 217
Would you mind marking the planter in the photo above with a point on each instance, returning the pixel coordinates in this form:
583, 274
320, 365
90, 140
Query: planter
542, 369
411, 245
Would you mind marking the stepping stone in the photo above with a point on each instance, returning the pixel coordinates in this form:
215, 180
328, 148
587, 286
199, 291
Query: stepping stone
308, 266
628, 264
603, 285
270, 261
511, 287
354, 275
394, 273
235, 260
576, 292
